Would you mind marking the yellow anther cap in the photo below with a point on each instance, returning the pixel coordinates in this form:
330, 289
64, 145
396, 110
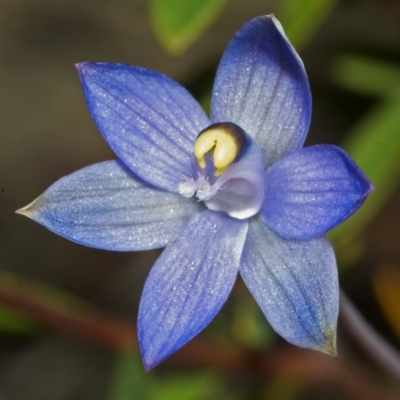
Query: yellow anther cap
225, 139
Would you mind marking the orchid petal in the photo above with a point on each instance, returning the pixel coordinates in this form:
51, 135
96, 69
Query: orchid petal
240, 190
261, 85
311, 191
106, 207
149, 120
188, 284
296, 285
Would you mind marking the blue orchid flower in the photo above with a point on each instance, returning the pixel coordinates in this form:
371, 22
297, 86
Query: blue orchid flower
233, 193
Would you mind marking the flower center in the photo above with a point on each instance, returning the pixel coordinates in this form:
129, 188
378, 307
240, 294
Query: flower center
228, 171
224, 140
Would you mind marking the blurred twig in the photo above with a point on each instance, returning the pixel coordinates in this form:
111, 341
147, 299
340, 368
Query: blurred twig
382, 352
71, 317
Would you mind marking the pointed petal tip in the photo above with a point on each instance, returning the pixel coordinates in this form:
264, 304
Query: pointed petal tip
329, 347
79, 66
274, 19
150, 359
148, 366
27, 210
86, 67
369, 188
149, 363
82, 66
330, 350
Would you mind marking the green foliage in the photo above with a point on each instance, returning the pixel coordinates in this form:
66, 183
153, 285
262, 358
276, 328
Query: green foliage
15, 322
301, 19
249, 326
366, 75
178, 23
130, 381
283, 389
193, 386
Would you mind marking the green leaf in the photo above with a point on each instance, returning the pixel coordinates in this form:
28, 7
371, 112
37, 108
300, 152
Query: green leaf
284, 388
178, 23
15, 322
130, 381
374, 144
248, 324
301, 19
192, 386
366, 75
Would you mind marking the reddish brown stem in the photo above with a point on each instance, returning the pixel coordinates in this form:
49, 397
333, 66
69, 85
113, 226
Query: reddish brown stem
84, 322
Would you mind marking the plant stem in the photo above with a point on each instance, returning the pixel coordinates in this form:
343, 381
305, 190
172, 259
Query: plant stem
383, 353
